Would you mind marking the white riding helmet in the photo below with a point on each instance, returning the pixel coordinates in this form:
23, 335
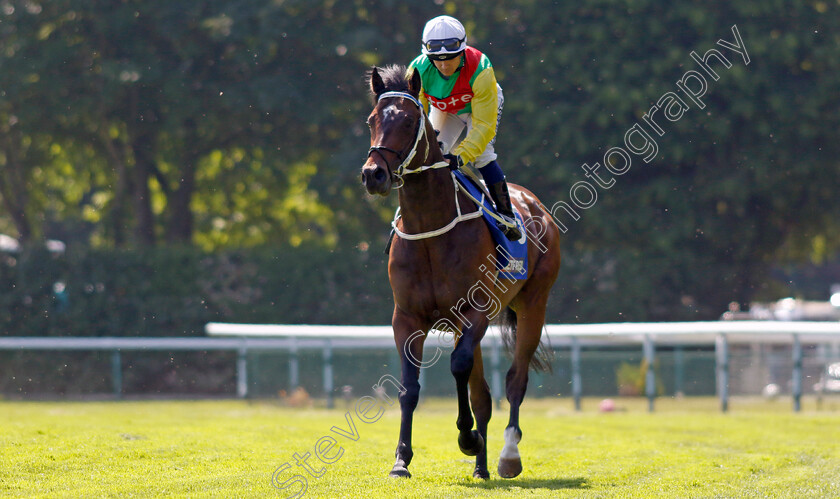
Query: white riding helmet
443, 38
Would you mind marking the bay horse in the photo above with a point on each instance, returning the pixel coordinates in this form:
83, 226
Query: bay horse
438, 260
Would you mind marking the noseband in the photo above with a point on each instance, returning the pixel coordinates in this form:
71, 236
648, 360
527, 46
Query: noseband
421, 129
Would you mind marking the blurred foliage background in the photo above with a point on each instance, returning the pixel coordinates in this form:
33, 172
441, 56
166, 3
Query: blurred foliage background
201, 160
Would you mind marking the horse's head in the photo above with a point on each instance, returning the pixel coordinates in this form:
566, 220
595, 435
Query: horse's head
395, 127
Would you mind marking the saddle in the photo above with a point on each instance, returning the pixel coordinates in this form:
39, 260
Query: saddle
511, 256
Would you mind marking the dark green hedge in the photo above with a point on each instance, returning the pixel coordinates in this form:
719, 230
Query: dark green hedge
170, 292
176, 291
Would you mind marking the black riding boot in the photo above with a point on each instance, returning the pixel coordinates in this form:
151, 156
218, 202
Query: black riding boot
501, 197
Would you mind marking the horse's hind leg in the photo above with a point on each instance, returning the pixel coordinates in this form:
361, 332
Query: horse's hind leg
529, 326
482, 406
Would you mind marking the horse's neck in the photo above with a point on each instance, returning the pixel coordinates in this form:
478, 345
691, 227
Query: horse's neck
428, 192
427, 199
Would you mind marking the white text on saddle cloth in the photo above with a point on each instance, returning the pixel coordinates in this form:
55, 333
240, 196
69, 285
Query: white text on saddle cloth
514, 266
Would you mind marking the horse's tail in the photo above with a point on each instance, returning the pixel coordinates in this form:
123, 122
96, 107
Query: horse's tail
541, 361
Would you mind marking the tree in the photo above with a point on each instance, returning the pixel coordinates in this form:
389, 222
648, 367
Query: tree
744, 182
229, 123
154, 88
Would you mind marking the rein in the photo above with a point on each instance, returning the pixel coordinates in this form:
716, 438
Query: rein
446, 228
403, 170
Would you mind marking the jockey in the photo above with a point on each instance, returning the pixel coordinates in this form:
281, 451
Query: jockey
459, 83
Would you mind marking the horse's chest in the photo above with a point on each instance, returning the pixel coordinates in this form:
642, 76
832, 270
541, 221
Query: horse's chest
430, 283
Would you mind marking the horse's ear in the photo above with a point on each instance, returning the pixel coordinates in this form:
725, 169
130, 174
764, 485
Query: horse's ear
377, 86
414, 82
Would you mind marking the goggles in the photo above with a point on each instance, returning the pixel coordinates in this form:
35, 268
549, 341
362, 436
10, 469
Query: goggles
448, 44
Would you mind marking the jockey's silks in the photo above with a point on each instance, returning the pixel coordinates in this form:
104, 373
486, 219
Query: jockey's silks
452, 95
472, 89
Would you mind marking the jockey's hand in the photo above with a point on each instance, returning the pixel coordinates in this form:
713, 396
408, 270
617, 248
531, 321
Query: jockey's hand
455, 162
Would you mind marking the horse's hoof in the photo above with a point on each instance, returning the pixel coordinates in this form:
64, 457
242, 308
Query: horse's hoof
481, 473
473, 448
509, 468
399, 472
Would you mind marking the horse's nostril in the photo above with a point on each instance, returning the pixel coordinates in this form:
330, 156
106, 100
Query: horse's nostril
379, 175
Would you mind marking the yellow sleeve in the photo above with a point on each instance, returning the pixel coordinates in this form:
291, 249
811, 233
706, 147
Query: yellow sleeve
485, 111
424, 100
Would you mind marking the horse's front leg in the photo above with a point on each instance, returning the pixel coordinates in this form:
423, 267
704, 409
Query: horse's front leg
409, 336
482, 406
470, 441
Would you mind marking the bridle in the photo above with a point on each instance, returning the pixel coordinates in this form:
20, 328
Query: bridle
402, 170
406, 159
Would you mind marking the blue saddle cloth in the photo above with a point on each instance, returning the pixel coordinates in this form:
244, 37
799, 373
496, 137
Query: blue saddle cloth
511, 257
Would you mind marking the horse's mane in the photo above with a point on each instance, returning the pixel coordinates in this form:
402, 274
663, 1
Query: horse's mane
394, 77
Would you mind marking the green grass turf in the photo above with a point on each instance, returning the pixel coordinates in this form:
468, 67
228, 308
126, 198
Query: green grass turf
231, 448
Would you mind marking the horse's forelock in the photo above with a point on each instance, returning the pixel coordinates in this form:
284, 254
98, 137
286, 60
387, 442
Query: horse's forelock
394, 77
